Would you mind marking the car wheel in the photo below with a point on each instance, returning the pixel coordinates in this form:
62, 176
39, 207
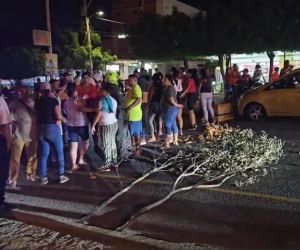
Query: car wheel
255, 112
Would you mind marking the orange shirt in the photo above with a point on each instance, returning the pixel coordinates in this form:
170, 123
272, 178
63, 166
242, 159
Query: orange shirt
233, 77
275, 77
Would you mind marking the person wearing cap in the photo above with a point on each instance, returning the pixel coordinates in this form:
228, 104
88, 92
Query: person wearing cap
24, 136
48, 116
112, 85
5, 144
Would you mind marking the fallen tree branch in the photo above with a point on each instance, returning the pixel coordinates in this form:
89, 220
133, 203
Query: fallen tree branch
168, 196
85, 218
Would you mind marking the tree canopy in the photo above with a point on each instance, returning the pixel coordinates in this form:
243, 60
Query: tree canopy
221, 28
73, 51
227, 27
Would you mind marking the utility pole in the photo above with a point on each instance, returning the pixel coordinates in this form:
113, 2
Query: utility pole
88, 30
48, 25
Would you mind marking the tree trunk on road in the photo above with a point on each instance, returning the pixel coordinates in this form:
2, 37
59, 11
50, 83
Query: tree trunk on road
186, 64
221, 65
271, 56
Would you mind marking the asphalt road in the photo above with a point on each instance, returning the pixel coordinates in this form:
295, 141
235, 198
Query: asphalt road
260, 216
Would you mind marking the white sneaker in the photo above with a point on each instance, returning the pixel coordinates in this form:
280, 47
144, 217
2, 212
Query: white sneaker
44, 180
63, 179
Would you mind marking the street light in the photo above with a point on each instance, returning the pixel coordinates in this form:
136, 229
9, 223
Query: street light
100, 13
88, 33
122, 36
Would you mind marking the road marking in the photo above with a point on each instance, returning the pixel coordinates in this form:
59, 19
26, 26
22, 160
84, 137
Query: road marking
254, 195
216, 190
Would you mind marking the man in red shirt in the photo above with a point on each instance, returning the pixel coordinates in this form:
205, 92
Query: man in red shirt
90, 95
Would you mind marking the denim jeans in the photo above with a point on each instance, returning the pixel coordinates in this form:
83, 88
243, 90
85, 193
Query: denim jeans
4, 160
51, 137
170, 122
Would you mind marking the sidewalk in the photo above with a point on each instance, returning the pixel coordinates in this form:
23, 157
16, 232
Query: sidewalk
16, 235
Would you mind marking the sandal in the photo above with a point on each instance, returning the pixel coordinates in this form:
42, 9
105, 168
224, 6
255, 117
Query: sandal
104, 168
76, 167
82, 162
153, 139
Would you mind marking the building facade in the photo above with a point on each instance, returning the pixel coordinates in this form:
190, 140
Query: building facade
127, 12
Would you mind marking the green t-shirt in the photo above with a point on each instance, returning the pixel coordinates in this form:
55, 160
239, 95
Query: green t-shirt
136, 113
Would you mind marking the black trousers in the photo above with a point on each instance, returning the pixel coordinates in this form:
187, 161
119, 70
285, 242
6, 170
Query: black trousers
4, 167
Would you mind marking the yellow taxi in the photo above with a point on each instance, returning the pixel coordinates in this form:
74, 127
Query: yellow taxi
280, 98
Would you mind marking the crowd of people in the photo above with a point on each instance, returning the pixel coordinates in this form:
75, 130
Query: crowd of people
238, 82
71, 111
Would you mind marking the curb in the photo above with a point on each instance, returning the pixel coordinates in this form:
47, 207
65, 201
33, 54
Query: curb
115, 240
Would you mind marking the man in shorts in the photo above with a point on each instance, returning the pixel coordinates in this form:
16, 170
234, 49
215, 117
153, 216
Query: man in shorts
133, 107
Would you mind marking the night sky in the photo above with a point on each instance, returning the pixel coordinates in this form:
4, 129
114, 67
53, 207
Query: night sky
19, 17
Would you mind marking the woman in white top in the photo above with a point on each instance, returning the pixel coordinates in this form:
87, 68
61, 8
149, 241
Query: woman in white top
78, 129
108, 127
